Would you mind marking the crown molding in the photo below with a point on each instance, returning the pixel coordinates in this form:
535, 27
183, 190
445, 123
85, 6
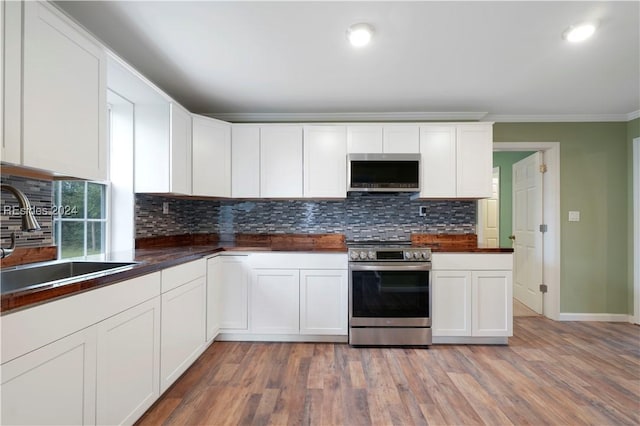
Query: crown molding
354, 117
346, 116
560, 118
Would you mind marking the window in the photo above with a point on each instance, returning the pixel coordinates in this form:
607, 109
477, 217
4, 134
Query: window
80, 218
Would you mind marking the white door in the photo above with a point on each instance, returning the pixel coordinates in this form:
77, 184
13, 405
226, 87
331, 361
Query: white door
180, 168
451, 303
234, 293
281, 162
54, 384
211, 162
401, 139
325, 161
275, 301
245, 161
128, 365
489, 214
323, 301
183, 323
527, 218
492, 306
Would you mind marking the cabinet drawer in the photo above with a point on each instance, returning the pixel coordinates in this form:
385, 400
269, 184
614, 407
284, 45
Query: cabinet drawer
176, 276
472, 261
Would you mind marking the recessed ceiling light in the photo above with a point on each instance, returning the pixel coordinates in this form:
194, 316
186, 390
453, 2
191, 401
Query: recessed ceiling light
578, 33
360, 34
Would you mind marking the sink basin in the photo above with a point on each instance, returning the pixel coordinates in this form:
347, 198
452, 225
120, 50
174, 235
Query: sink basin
58, 273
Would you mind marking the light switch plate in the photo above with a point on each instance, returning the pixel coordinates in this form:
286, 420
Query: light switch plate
574, 216
165, 207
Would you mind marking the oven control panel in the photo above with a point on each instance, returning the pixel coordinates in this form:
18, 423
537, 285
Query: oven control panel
357, 254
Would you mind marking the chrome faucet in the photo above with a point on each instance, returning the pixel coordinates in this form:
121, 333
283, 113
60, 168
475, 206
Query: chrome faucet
29, 222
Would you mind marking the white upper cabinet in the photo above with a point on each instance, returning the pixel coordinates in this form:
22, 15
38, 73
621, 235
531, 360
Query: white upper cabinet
389, 138
281, 161
211, 157
457, 160
438, 163
401, 139
364, 139
245, 161
63, 96
325, 162
475, 160
162, 133
11, 76
180, 153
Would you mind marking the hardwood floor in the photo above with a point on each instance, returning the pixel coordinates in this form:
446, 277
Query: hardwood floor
551, 373
522, 310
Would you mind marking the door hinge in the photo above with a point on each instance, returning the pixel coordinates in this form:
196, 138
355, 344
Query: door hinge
543, 228
543, 168
543, 288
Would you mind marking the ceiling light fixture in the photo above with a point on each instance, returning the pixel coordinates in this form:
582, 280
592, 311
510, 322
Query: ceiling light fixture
360, 34
578, 33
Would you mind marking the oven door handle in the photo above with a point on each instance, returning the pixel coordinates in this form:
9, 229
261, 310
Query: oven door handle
389, 266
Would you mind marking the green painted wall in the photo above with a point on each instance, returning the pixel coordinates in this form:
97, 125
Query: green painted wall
505, 160
633, 131
594, 180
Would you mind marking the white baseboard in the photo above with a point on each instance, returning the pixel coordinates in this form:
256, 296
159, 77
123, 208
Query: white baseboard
595, 317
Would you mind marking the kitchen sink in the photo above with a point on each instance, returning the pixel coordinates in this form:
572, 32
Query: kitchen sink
59, 273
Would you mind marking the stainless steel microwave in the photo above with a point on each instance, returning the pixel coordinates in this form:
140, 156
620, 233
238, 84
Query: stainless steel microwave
383, 172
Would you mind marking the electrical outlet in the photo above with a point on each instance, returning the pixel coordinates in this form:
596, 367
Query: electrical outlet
165, 207
574, 216
423, 210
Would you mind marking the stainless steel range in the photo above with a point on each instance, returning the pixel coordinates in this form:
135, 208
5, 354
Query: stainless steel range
389, 295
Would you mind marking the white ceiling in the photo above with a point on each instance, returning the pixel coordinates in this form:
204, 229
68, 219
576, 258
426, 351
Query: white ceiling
501, 60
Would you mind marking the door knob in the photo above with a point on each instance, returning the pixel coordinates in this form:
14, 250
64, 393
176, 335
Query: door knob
512, 237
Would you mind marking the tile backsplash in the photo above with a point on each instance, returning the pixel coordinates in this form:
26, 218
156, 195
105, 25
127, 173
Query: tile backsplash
40, 194
359, 217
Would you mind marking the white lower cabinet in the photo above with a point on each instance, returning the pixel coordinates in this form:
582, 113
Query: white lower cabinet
214, 282
472, 295
53, 385
183, 329
323, 302
288, 296
275, 301
128, 364
451, 302
492, 295
234, 293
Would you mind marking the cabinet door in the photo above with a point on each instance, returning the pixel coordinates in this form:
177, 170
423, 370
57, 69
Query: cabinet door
52, 385
214, 294
281, 162
11, 77
64, 96
323, 302
245, 161
128, 364
492, 309
474, 169
211, 157
325, 161
365, 139
451, 303
275, 301
180, 150
401, 139
182, 329
438, 162
234, 293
